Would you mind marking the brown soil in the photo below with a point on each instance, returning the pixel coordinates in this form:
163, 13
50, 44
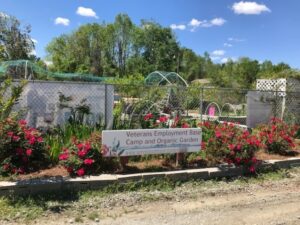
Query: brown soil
162, 165
262, 155
257, 206
57, 171
153, 165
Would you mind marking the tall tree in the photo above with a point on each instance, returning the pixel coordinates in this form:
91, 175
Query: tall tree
191, 65
281, 67
88, 44
15, 41
58, 53
159, 47
80, 52
246, 71
123, 29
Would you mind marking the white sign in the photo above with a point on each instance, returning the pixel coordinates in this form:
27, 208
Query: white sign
150, 141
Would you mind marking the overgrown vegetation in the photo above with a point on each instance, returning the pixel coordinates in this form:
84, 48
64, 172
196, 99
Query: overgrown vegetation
9, 95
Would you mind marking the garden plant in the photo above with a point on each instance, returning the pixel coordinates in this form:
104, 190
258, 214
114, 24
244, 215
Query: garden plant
278, 137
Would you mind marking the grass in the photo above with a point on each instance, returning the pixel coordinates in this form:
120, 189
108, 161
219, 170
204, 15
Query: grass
60, 137
78, 219
93, 216
18, 209
28, 208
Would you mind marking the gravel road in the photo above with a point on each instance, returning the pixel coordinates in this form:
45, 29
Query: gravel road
256, 202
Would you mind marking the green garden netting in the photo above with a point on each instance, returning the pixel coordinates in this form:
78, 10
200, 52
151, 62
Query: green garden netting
165, 78
24, 69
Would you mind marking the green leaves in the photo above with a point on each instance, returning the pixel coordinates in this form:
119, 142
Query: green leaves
117, 49
15, 41
9, 95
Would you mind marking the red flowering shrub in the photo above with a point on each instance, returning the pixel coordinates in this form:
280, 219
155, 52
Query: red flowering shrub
152, 120
179, 122
226, 142
298, 133
21, 148
155, 120
81, 158
278, 137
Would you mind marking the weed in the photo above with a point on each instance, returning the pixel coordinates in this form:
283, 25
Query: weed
78, 219
93, 216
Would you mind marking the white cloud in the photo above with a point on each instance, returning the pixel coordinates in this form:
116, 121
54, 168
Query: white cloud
218, 53
217, 22
249, 8
194, 23
178, 27
62, 21
235, 39
228, 45
215, 58
88, 12
228, 59
224, 60
34, 40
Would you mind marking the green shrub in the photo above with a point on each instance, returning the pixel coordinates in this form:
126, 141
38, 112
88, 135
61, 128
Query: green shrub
62, 136
9, 95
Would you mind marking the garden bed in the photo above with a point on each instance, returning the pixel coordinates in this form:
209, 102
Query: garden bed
77, 150
150, 165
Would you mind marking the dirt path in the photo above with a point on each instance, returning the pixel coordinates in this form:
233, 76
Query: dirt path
266, 202
262, 206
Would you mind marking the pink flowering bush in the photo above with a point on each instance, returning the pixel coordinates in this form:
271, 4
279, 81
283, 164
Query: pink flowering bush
278, 137
81, 158
228, 143
22, 148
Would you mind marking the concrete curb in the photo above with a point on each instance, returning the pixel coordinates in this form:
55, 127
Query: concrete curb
55, 184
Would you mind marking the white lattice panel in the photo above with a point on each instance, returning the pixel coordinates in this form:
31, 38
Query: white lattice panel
272, 85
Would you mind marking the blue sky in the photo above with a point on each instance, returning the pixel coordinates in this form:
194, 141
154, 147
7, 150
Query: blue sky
267, 29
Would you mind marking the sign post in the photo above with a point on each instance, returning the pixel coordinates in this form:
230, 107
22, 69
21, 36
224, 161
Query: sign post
122, 143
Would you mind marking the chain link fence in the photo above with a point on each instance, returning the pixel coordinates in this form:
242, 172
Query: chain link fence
51, 103
190, 102
246, 107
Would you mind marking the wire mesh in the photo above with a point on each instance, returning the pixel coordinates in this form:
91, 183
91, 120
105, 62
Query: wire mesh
51, 103
24, 69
